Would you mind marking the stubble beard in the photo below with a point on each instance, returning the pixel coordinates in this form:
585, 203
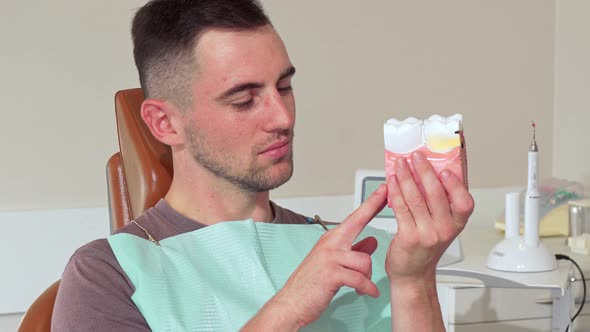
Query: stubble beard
225, 166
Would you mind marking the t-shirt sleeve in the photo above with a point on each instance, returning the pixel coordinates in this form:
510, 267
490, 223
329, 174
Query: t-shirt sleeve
95, 294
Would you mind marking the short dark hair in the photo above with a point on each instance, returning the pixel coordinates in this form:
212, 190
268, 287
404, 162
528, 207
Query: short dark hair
165, 34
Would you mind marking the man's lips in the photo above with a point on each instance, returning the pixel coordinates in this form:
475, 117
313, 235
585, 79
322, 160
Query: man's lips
277, 150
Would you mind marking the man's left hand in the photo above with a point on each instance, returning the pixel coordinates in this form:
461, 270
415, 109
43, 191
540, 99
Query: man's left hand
430, 213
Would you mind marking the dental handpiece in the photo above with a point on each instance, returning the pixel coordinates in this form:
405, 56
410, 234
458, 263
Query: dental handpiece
532, 196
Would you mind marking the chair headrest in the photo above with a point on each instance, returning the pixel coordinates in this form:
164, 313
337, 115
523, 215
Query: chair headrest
147, 162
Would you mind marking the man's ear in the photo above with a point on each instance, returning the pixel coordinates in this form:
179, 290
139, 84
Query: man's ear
163, 120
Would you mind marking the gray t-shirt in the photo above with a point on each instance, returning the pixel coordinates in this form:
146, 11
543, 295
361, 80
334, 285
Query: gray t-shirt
95, 293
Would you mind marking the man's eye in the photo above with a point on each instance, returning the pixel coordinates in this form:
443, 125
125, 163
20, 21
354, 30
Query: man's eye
285, 90
243, 106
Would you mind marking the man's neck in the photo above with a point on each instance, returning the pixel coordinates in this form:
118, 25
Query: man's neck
209, 200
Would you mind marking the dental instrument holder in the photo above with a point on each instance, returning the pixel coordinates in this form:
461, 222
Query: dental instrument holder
528, 253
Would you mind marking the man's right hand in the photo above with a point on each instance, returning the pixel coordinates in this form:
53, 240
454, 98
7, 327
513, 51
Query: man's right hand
332, 263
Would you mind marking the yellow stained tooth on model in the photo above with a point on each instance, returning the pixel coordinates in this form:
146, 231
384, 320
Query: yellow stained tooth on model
441, 134
442, 143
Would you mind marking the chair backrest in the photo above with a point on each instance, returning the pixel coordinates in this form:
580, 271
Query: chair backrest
119, 210
137, 177
141, 173
38, 316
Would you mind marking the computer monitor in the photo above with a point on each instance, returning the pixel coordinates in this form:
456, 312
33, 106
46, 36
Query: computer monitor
366, 182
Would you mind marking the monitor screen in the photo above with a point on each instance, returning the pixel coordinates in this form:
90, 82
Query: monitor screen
370, 184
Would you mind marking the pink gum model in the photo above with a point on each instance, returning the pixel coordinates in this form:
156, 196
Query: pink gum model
454, 160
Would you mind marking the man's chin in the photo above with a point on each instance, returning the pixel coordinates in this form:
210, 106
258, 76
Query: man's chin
278, 175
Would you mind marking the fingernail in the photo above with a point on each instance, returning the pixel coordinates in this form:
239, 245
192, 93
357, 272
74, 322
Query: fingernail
418, 156
391, 180
401, 163
381, 188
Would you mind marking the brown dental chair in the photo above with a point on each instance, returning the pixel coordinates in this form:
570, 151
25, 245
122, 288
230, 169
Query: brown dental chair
137, 177
140, 174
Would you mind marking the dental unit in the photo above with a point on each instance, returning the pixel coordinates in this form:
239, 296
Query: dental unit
528, 253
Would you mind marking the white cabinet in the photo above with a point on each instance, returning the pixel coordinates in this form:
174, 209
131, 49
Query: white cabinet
505, 309
526, 325
582, 323
497, 309
470, 307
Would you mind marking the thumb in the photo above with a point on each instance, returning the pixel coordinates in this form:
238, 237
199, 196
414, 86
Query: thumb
367, 245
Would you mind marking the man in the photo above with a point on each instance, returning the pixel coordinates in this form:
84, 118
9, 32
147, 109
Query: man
217, 79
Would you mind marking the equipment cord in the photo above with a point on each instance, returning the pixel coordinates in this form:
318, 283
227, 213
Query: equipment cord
564, 257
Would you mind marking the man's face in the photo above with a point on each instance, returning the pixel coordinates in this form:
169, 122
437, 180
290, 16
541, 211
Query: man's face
240, 127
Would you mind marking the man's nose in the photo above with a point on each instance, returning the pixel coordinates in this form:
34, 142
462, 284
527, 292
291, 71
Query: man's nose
280, 111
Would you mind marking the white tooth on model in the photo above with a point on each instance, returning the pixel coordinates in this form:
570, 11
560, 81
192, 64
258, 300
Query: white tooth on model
402, 136
440, 134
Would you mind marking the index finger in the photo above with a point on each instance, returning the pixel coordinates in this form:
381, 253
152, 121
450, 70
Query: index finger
354, 224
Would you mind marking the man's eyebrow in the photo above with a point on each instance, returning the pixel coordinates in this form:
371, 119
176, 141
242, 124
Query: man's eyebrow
288, 72
253, 85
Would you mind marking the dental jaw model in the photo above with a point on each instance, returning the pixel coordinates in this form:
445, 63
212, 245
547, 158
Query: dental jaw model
439, 138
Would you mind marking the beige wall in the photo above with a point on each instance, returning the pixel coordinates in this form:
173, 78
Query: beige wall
357, 65
360, 63
60, 63
572, 91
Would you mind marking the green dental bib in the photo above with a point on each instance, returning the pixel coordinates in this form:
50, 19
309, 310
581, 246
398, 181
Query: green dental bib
218, 277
